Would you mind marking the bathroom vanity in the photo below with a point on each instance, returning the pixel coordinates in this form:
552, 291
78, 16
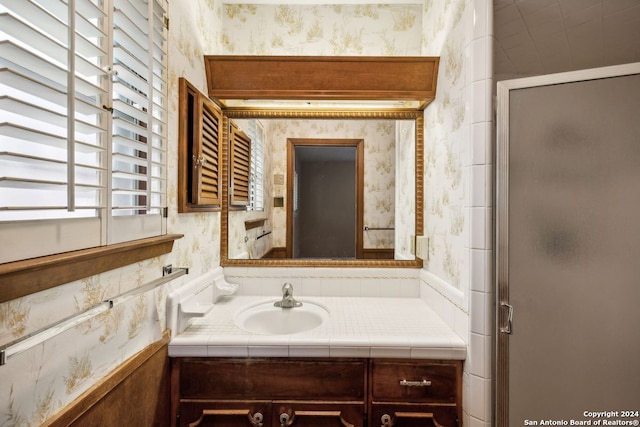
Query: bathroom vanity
316, 392
370, 362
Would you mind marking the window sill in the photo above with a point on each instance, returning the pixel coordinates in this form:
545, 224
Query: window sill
21, 278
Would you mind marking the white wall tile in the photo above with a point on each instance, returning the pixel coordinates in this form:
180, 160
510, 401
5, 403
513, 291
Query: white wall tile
479, 186
478, 323
331, 288
480, 355
350, 287
480, 406
480, 137
482, 11
482, 105
481, 228
409, 288
480, 59
481, 268
311, 286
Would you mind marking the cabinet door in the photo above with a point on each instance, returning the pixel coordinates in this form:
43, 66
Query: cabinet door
199, 135
413, 415
321, 414
225, 414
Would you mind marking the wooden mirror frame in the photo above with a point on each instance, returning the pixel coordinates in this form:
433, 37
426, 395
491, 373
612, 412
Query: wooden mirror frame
417, 116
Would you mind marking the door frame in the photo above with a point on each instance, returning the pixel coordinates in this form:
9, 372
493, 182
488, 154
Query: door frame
358, 144
503, 311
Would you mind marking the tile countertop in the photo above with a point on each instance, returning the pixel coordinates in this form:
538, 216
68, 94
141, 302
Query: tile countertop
357, 327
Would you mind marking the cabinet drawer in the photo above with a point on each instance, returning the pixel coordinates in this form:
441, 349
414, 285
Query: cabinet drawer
230, 414
313, 414
207, 378
413, 381
414, 415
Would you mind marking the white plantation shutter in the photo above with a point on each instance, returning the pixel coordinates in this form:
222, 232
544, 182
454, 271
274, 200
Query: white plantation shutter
255, 132
56, 130
139, 117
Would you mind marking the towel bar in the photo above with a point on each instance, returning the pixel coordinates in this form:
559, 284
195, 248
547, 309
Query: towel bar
37, 337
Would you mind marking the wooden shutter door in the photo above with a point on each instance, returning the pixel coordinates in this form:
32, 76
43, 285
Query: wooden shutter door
240, 167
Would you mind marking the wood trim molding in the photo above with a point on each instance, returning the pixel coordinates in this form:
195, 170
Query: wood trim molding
21, 278
419, 176
306, 262
356, 143
224, 161
279, 261
323, 114
401, 78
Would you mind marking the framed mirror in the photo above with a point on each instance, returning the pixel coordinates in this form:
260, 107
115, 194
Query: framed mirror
381, 150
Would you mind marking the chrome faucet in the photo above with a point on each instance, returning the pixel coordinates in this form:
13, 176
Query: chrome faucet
288, 301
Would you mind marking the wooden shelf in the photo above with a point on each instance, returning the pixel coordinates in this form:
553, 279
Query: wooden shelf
329, 78
21, 278
254, 223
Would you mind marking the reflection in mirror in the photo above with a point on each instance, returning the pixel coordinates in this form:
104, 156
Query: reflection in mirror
385, 223
324, 181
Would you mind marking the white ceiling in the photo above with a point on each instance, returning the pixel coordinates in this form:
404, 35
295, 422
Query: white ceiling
547, 36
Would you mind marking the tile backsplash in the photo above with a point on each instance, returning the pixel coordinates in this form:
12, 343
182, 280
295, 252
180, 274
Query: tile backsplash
312, 281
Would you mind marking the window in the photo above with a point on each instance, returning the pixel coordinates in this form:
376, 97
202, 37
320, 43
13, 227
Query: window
256, 184
82, 135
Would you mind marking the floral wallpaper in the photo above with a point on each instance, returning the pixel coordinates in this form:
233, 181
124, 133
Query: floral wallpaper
446, 144
339, 29
405, 205
38, 382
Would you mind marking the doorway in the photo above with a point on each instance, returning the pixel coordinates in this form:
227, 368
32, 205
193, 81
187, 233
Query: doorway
325, 182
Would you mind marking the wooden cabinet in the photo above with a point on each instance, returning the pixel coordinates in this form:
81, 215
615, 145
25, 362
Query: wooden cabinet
268, 392
415, 393
315, 392
199, 136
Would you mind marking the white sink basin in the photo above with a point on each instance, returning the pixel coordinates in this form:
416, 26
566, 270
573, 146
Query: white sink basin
265, 319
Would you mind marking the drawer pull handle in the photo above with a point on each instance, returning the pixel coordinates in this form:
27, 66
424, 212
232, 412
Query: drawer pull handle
390, 421
256, 419
422, 383
286, 420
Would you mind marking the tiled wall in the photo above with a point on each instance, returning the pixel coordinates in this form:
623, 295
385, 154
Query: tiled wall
351, 282
457, 279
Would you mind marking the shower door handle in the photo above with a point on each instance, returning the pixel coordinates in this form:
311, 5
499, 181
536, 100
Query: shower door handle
507, 329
